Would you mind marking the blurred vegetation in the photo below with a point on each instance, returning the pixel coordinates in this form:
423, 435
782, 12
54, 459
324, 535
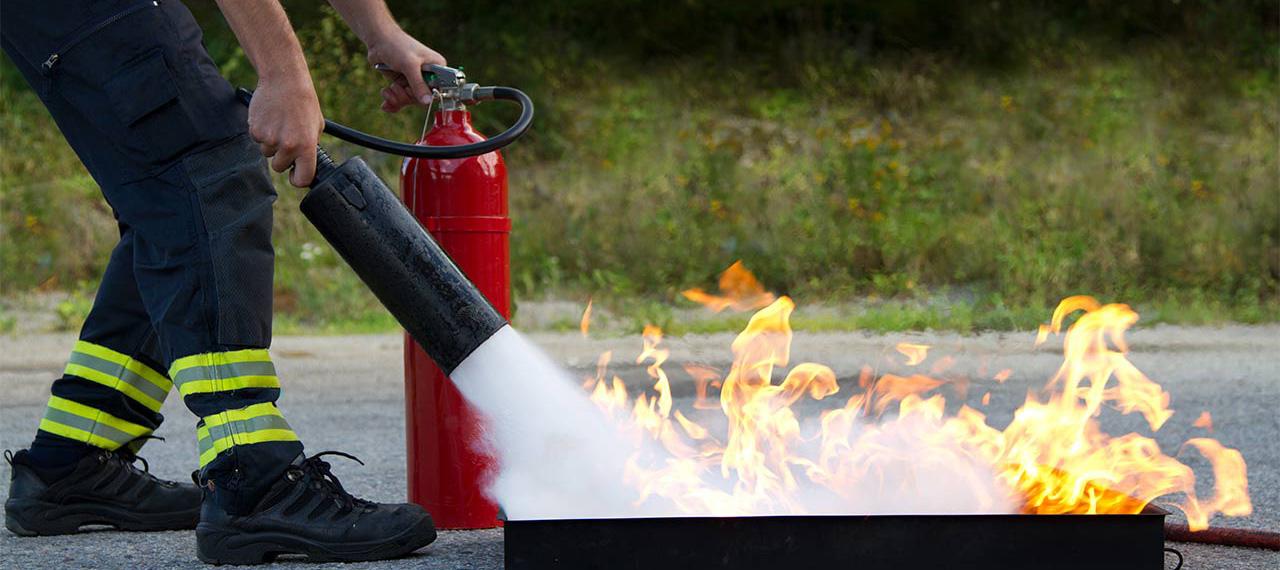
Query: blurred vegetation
949, 165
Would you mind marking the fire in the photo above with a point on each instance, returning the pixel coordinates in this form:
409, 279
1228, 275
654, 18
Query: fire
1205, 421
915, 353
739, 290
893, 439
585, 324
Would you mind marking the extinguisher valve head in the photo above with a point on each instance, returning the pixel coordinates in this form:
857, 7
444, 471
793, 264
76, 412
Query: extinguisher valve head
449, 84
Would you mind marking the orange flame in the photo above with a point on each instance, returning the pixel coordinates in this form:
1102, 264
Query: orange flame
739, 290
915, 353
703, 377
1205, 421
893, 436
585, 324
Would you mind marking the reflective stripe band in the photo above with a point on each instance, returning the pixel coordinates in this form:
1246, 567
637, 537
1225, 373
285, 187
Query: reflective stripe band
203, 443
119, 372
224, 371
243, 414
77, 421
127, 362
264, 436
259, 423
128, 378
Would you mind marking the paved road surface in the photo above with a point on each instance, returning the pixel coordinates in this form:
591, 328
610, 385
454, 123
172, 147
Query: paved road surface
346, 393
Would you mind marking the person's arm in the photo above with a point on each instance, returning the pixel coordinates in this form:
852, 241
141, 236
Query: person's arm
284, 116
372, 23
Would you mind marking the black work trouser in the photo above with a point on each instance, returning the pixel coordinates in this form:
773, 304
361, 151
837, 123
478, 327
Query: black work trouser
185, 300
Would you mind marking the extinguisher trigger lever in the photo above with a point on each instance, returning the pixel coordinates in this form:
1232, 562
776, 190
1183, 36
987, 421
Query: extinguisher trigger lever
448, 84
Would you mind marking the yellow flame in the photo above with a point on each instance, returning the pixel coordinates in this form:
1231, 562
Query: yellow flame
915, 353
1053, 455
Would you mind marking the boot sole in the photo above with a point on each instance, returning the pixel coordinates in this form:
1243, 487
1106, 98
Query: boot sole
220, 545
28, 517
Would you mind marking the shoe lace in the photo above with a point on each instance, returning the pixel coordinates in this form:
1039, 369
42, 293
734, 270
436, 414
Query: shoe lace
320, 473
128, 454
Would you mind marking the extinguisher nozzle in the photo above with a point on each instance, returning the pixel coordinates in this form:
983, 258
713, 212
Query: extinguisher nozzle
400, 262
325, 167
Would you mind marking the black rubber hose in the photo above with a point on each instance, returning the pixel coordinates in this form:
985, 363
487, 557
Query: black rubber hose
343, 132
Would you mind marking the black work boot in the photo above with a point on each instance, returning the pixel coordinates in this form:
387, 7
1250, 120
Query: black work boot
103, 488
308, 512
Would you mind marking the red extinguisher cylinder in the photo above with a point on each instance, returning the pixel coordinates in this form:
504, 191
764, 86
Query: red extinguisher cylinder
463, 204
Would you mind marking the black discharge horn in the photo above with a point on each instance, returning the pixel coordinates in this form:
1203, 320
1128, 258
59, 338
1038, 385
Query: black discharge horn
390, 251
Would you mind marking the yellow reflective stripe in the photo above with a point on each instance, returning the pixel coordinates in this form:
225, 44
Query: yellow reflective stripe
101, 352
149, 375
98, 416
83, 423
227, 384
207, 456
245, 413
224, 371
204, 445
260, 436
237, 425
113, 383
125, 378
127, 362
77, 434
216, 358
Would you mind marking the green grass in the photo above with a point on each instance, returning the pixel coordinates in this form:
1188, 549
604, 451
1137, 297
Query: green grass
941, 314
1143, 172
1031, 186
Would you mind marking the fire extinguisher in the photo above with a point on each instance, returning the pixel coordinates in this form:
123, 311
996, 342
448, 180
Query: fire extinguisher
462, 202
450, 289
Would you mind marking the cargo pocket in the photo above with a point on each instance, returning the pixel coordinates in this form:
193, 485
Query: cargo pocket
236, 198
145, 98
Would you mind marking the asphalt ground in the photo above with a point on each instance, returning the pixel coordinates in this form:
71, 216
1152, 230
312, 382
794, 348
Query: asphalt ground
346, 393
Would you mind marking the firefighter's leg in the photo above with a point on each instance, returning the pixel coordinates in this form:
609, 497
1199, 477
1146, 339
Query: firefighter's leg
143, 106
215, 320
115, 380
111, 390
166, 141
81, 468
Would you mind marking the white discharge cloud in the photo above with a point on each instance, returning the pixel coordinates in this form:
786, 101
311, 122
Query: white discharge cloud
561, 457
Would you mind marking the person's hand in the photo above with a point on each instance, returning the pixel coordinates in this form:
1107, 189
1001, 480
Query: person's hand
285, 121
407, 57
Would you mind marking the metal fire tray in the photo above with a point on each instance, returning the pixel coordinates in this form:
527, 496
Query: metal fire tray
833, 542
